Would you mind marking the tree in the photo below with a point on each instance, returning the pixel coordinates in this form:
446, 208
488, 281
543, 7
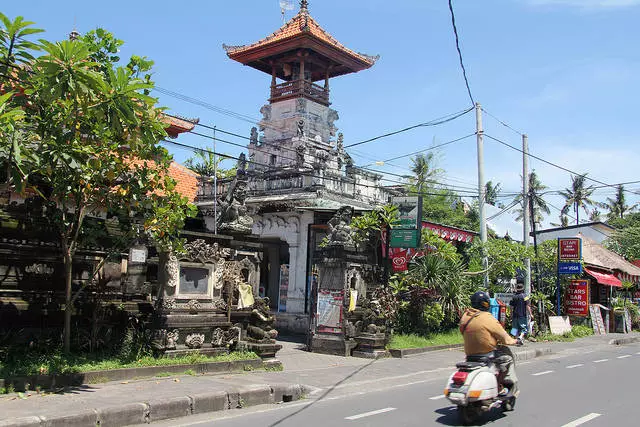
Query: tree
578, 196
206, 163
537, 203
506, 259
491, 192
618, 206
425, 171
96, 133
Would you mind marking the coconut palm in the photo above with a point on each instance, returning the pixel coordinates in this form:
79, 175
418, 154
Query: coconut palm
424, 170
578, 196
537, 203
618, 206
491, 192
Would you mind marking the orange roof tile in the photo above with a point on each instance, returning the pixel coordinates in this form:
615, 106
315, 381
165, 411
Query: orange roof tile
186, 180
299, 25
177, 125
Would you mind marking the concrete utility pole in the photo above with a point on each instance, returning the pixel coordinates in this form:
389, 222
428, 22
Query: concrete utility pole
215, 184
525, 212
481, 190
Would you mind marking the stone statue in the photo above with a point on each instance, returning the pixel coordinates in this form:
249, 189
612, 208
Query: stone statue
266, 112
235, 218
260, 328
300, 131
241, 168
340, 227
332, 116
300, 150
340, 143
253, 139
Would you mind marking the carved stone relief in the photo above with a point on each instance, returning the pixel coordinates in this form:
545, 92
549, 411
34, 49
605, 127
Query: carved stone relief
194, 340
193, 306
173, 271
172, 339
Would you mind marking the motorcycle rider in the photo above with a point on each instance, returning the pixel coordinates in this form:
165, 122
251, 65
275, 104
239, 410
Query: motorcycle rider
482, 333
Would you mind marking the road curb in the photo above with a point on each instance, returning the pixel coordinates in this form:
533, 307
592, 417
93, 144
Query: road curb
531, 353
400, 353
622, 341
175, 407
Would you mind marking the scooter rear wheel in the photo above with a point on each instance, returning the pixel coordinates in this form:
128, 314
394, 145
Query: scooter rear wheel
468, 414
509, 404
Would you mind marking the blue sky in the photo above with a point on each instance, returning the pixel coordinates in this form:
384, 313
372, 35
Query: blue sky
562, 71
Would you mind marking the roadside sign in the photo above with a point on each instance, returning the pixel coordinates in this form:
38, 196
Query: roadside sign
404, 238
409, 212
505, 297
577, 301
569, 248
569, 268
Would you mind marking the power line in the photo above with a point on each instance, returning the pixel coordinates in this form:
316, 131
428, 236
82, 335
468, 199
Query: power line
501, 122
435, 122
455, 32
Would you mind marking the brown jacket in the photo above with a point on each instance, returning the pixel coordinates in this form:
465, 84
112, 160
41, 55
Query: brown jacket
483, 332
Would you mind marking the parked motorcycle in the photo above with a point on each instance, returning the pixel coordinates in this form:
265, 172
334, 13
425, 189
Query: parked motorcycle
476, 386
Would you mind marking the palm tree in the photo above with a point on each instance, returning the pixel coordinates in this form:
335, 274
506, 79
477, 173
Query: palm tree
537, 203
424, 170
618, 206
491, 192
206, 163
578, 196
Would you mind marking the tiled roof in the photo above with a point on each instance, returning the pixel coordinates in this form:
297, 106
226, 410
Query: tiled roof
300, 24
177, 125
186, 180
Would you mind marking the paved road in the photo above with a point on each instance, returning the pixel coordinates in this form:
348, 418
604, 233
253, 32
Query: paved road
590, 387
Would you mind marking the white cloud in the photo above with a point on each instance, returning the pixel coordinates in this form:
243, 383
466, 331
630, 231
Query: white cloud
587, 4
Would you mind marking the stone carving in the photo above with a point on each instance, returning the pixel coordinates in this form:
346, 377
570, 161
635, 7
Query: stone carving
218, 272
300, 129
274, 225
372, 317
172, 339
265, 110
340, 227
193, 306
39, 269
301, 105
222, 338
168, 304
241, 168
200, 251
253, 139
332, 116
235, 218
218, 303
300, 150
173, 271
194, 340
340, 143
260, 328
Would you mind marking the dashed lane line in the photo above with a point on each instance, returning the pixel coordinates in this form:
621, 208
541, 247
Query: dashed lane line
582, 420
441, 396
369, 414
542, 373
575, 366
624, 356
600, 360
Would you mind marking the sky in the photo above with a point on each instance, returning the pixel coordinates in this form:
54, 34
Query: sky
561, 71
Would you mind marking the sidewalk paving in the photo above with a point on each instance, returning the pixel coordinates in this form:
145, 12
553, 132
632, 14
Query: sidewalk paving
140, 401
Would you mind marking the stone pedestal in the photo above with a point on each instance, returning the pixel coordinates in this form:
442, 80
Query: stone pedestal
335, 345
371, 346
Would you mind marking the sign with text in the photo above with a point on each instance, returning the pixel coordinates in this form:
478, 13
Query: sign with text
569, 248
569, 268
504, 297
404, 238
577, 300
409, 212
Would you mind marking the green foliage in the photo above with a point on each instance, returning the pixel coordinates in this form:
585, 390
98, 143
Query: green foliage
539, 205
402, 341
491, 192
578, 196
432, 316
506, 257
205, 163
577, 331
367, 228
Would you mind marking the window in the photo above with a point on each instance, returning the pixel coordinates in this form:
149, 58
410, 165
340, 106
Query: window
272, 160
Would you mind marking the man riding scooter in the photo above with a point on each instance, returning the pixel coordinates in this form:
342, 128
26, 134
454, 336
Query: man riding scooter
482, 333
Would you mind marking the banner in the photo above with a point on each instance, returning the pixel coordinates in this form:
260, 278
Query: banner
330, 311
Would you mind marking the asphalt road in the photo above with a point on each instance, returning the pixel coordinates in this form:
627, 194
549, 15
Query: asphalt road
597, 387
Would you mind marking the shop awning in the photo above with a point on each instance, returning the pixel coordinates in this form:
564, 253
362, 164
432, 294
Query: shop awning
604, 278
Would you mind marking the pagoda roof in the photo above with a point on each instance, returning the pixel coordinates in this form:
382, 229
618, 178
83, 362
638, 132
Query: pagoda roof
301, 32
177, 125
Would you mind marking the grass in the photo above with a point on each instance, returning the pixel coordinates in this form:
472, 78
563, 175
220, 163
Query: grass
577, 331
58, 363
399, 341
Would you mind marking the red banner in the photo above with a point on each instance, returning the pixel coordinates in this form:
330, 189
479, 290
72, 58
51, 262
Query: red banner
577, 299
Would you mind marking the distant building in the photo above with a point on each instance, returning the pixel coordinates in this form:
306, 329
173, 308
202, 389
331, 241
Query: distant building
596, 231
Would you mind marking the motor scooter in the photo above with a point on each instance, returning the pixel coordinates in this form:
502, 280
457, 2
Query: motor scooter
475, 386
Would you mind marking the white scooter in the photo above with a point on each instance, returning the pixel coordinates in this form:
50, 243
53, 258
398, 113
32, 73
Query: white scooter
475, 390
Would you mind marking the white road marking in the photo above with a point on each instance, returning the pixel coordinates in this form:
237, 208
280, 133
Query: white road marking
601, 360
368, 414
574, 366
624, 357
442, 396
582, 420
542, 373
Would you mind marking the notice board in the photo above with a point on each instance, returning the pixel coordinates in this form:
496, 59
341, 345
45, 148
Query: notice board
596, 319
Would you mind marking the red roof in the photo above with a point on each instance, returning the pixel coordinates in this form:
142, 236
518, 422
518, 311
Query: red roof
604, 278
177, 125
186, 180
306, 33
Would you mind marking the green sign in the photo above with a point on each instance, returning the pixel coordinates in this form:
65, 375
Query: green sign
409, 212
404, 238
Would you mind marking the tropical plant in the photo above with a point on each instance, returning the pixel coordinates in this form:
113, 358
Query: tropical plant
206, 163
367, 228
537, 203
425, 172
491, 192
93, 147
506, 260
618, 206
578, 196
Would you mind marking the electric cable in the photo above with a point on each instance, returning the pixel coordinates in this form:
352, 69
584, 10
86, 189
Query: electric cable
464, 71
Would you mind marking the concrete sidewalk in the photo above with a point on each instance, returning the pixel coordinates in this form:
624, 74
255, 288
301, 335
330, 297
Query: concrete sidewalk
143, 401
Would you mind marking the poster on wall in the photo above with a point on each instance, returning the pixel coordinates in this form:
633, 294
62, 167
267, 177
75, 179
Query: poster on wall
284, 287
330, 311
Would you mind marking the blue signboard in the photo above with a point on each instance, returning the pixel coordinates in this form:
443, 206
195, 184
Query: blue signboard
569, 268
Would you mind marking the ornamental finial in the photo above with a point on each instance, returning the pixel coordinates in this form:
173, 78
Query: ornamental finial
304, 5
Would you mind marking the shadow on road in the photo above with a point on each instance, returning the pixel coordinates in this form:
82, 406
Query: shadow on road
323, 395
449, 416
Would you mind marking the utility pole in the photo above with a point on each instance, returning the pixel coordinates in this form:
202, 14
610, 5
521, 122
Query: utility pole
481, 191
215, 184
525, 212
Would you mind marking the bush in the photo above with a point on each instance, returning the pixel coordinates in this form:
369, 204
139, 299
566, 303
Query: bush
432, 317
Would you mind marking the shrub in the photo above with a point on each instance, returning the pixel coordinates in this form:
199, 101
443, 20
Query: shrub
432, 317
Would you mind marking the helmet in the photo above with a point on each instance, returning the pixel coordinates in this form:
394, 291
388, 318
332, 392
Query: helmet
481, 301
